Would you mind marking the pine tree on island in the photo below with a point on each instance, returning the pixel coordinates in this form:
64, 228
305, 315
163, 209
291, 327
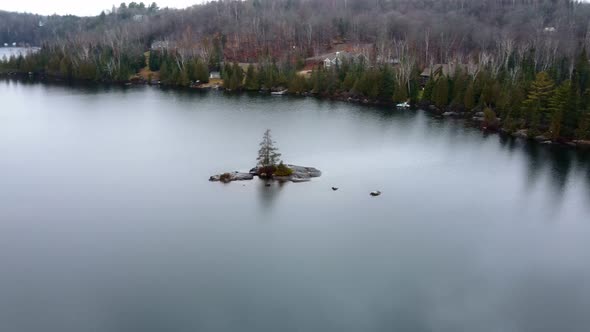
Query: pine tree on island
269, 162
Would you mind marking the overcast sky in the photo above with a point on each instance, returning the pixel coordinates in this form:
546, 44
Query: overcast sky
79, 7
83, 7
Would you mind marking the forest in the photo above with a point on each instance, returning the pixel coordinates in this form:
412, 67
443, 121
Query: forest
517, 65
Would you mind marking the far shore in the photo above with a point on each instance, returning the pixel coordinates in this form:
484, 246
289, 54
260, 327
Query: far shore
469, 117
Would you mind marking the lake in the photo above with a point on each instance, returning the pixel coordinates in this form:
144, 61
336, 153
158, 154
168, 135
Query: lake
108, 221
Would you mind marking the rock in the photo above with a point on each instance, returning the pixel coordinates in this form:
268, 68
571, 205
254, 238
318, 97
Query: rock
334, 188
541, 138
479, 114
571, 144
450, 114
375, 193
547, 142
478, 118
304, 172
583, 143
229, 177
522, 133
300, 174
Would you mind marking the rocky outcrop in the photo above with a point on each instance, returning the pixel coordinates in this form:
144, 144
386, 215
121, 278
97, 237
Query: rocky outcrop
305, 172
229, 177
300, 174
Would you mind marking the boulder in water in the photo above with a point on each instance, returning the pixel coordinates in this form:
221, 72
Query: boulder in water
229, 177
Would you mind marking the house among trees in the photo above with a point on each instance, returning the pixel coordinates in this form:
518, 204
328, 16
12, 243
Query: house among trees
550, 29
161, 45
446, 69
336, 58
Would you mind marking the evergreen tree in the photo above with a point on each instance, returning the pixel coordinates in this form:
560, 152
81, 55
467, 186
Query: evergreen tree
582, 69
386, 88
268, 155
251, 83
400, 94
201, 72
182, 79
226, 75
460, 83
428, 90
490, 119
536, 105
154, 60
560, 108
469, 97
440, 94
414, 86
297, 84
583, 130
349, 81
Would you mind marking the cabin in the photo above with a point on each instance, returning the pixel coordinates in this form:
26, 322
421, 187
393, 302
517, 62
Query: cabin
335, 58
550, 29
161, 45
443, 69
214, 75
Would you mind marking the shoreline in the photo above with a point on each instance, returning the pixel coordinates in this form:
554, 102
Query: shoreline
469, 117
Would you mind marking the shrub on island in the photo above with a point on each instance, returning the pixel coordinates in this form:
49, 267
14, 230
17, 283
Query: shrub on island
283, 170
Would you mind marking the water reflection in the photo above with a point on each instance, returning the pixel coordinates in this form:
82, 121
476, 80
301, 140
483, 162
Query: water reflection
268, 192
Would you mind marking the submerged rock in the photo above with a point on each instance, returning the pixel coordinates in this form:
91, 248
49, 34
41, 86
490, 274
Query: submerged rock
375, 193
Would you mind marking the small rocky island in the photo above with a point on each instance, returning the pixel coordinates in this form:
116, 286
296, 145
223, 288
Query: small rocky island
269, 167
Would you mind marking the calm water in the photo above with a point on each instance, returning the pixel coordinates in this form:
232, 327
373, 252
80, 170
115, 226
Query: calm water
108, 222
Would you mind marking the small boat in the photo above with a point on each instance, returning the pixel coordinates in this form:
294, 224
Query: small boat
279, 93
403, 105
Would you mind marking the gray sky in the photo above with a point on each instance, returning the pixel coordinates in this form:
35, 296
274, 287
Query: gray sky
83, 7
79, 7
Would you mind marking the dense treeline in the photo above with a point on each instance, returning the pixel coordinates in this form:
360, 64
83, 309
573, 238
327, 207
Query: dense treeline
435, 31
33, 29
92, 62
514, 64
